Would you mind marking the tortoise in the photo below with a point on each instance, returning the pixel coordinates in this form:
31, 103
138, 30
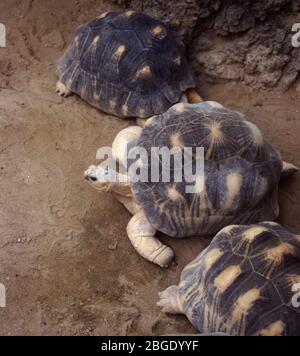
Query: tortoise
244, 284
126, 64
182, 16
240, 183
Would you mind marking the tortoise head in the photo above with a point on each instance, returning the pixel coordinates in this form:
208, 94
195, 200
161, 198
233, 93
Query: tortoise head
100, 178
105, 179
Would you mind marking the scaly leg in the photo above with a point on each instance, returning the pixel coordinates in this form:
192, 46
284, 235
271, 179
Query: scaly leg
170, 301
130, 204
123, 140
62, 90
142, 236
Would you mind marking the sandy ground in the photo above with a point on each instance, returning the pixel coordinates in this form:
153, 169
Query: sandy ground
56, 234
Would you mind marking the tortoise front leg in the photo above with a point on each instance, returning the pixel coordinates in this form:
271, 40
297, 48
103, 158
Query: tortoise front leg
142, 236
125, 138
62, 90
129, 203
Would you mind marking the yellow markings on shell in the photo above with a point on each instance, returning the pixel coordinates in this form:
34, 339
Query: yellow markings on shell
69, 83
142, 113
102, 15
216, 135
200, 184
96, 97
178, 61
119, 52
176, 141
275, 329
144, 71
180, 108
215, 104
248, 237
162, 207
173, 194
212, 257
257, 136
234, 183
228, 229
293, 279
112, 104
159, 32
125, 109
129, 13
271, 223
204, 204
150, 121
227, 278
251, 234
244, 304
215, 131
276, 254
96, 40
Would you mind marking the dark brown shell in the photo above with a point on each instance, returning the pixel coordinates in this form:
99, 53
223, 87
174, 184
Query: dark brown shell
242, 284
126, 64
242, 172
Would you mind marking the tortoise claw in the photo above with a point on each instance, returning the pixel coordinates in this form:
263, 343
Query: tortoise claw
62, 90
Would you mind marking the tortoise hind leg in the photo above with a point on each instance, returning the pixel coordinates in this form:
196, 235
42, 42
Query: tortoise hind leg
193, 96
62, 90
170, 301
142, 236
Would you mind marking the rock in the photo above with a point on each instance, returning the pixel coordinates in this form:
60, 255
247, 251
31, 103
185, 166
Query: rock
251, 37
113, 246
181, 15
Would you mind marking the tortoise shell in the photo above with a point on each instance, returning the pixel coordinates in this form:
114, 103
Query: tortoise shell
242, 284
241, 172
126, 64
